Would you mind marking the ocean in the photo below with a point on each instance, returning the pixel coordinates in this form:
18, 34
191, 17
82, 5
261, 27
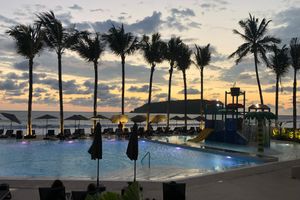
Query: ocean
39, 125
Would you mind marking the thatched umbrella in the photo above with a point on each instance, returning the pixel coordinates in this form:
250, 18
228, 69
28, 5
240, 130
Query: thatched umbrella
12, 118
77, 118
46, 117
260, 117
96, 148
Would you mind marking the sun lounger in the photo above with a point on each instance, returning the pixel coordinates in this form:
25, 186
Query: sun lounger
67, 132
4, 191
1, 131
78, 195
50, 133
8, 134
52, 193
19, 134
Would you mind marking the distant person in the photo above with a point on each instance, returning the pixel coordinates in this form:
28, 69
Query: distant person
92, 192
120, 127
135, 128
59, 188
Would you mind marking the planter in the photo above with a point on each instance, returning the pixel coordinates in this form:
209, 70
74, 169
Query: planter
235, 91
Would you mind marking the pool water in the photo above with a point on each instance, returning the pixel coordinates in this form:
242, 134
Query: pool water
70, 159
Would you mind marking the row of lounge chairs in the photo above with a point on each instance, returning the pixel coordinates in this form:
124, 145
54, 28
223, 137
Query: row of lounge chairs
79, 133
10, 134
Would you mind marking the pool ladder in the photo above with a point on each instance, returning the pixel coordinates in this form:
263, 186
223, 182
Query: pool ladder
149, 158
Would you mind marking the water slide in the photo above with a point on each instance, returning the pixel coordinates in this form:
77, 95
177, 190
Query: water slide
202, 135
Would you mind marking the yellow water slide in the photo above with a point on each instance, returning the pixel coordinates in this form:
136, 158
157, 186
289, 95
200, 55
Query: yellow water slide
202, 135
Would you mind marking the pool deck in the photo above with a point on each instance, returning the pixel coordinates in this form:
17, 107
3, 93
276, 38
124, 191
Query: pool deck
267, 181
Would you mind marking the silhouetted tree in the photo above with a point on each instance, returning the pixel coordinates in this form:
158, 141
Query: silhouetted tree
202, 57
256, 43
171, 55
183, 63
295, 61
279, 63
57, 38
90, 48
153, 51
121, 44
29, 43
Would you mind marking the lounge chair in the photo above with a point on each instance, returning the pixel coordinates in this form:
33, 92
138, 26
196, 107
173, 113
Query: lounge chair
173, 191
47, 193
1, 131
81, 132
8, 133
78, 195
67, 132
50, 133
19, 134
4, 191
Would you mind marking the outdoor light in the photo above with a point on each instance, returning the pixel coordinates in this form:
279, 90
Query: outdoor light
257, 105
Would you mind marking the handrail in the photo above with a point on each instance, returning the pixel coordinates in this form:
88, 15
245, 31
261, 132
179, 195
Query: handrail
149, 157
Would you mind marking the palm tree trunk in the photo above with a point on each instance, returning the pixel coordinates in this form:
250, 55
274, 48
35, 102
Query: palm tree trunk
295, 103
149, 97
276, 99
123, 82
185, 100
95, 91
201, 100
29, 127
61, 105
169, 94
257, 78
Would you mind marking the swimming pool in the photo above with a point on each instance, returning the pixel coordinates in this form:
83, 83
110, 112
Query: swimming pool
69, 159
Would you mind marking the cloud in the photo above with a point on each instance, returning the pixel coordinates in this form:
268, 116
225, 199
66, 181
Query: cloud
287, 24
272, 89
216, 5
182, 13
190, 91
8, 21
144, 88
9, 84
24, 65
75, 7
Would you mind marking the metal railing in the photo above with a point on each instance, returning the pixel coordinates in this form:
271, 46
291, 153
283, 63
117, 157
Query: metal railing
149, 158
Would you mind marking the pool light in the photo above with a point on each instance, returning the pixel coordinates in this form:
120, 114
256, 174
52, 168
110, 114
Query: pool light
178, 148
228, 157
70, 142
24, 142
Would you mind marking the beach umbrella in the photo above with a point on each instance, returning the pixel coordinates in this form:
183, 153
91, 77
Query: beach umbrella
12, 118
132, 151
138, 118
158, 118
176, 118
46, 117
199, 118
98, 117
187, 118
96, 148
119, 118
76, 118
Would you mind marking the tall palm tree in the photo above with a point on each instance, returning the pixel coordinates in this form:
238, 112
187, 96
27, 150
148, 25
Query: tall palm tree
202, 57
29, 42
171, 54
57, 38
90, 48
279, 63
121, 44
153, 51
256, 43
295, 61
183, 63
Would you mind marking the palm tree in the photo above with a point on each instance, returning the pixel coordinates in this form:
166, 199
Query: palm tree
171, 54
153, 52
183, 63
29, 42
90, 47
279, 63
295, 61
121, 44
256, 43
202, 56
58, 39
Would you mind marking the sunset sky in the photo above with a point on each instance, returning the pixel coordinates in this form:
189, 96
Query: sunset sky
195, 21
